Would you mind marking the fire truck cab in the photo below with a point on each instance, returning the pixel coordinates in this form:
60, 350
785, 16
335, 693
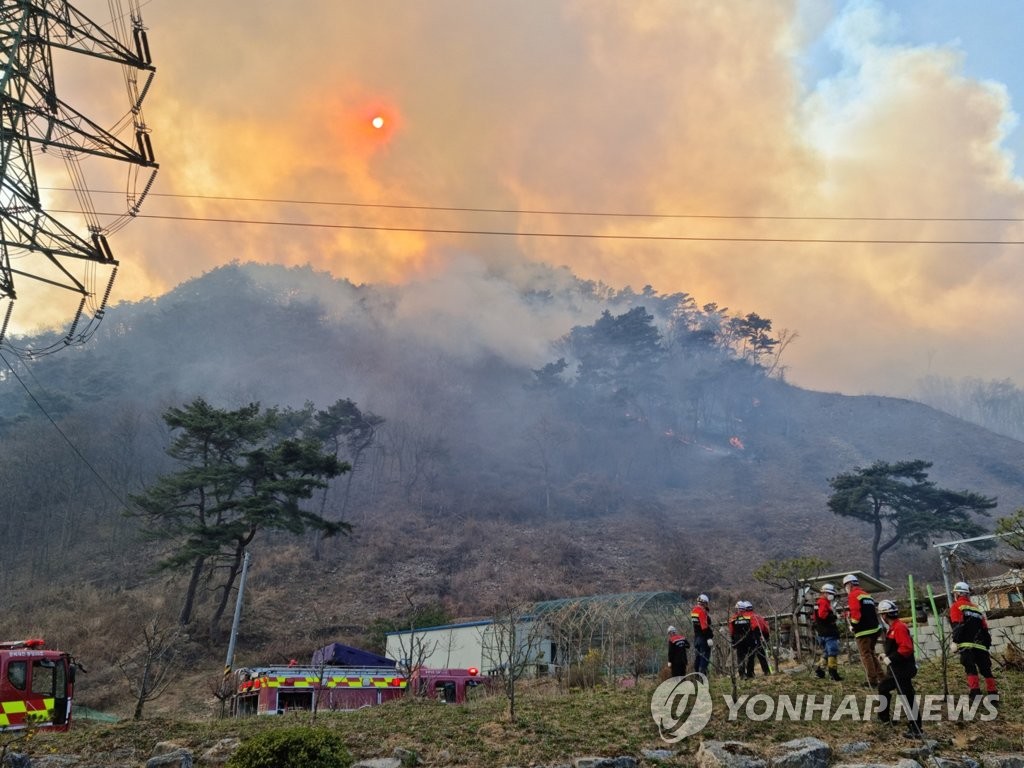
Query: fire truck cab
449, 686
36, 686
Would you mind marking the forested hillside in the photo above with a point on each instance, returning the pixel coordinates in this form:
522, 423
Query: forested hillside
572, 438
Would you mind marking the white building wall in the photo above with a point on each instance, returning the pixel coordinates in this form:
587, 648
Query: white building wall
460, 646
454, 646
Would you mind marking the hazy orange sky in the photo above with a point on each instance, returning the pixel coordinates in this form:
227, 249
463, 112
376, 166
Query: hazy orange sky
749, 108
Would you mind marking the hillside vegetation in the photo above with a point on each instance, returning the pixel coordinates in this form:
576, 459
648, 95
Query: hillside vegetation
575, 440
553, 726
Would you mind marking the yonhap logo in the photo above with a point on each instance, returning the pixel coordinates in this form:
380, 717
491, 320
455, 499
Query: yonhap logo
681, 706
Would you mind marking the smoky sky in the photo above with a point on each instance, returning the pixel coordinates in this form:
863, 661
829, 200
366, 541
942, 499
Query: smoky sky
696, 118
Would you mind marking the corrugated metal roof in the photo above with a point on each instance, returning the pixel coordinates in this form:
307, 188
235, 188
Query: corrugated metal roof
867, 583
441, 626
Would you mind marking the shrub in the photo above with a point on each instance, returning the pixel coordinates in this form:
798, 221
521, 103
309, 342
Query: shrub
296, 747
589, 672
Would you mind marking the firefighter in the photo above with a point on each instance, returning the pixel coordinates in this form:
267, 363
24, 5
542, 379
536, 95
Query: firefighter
863, 618
741, 637
972, 641
761, 632
826, 628
898, 659
703, 634
677, 652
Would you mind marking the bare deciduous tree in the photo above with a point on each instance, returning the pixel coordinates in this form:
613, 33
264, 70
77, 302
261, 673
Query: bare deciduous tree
414, 652
147, 669
222, 688
513, 644
791, 574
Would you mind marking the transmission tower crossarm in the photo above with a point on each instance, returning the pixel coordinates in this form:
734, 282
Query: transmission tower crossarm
75, 285
37, 248
69, 123
76, 32
41, 232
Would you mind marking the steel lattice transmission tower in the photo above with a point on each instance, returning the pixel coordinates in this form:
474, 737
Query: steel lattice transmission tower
38, 249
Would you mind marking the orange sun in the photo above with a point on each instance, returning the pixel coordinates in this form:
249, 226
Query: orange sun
362, 125
378, 123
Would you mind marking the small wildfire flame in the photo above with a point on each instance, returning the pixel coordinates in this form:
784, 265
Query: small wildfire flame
734, 441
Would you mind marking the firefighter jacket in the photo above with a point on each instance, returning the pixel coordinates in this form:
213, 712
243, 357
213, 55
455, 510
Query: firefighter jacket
741, 624
970, 627
760, 625
677, 645
824, 618
745, 624
701, 621
863, 613
899, 648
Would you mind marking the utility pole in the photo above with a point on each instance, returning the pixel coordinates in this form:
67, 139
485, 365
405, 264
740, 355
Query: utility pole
230, 661
946, 548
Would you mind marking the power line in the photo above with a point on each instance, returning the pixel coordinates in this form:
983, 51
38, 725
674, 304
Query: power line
543, 212
61, 432
571, 235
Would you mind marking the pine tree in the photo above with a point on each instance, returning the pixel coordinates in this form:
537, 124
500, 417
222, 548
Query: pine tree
242, 472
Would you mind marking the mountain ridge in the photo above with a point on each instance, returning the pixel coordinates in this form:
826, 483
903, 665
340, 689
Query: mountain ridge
638, 466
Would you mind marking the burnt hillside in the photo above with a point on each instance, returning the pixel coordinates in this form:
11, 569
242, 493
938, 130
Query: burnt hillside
588, 440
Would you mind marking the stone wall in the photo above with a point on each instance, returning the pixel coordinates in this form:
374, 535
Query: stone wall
1004, 630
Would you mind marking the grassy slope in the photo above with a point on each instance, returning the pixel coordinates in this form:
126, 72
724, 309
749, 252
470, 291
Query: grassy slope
554, 726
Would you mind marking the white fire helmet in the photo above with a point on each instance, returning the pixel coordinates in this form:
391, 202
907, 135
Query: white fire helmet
961, 588
887, 607
850, 579
672, 630
702, 598
829, 589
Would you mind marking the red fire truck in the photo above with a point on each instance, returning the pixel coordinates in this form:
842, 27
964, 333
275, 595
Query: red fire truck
276, 690
36, 685
339, 677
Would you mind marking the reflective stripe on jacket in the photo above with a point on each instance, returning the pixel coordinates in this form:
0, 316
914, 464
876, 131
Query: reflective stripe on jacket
701, 621
970, 627
863, 613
